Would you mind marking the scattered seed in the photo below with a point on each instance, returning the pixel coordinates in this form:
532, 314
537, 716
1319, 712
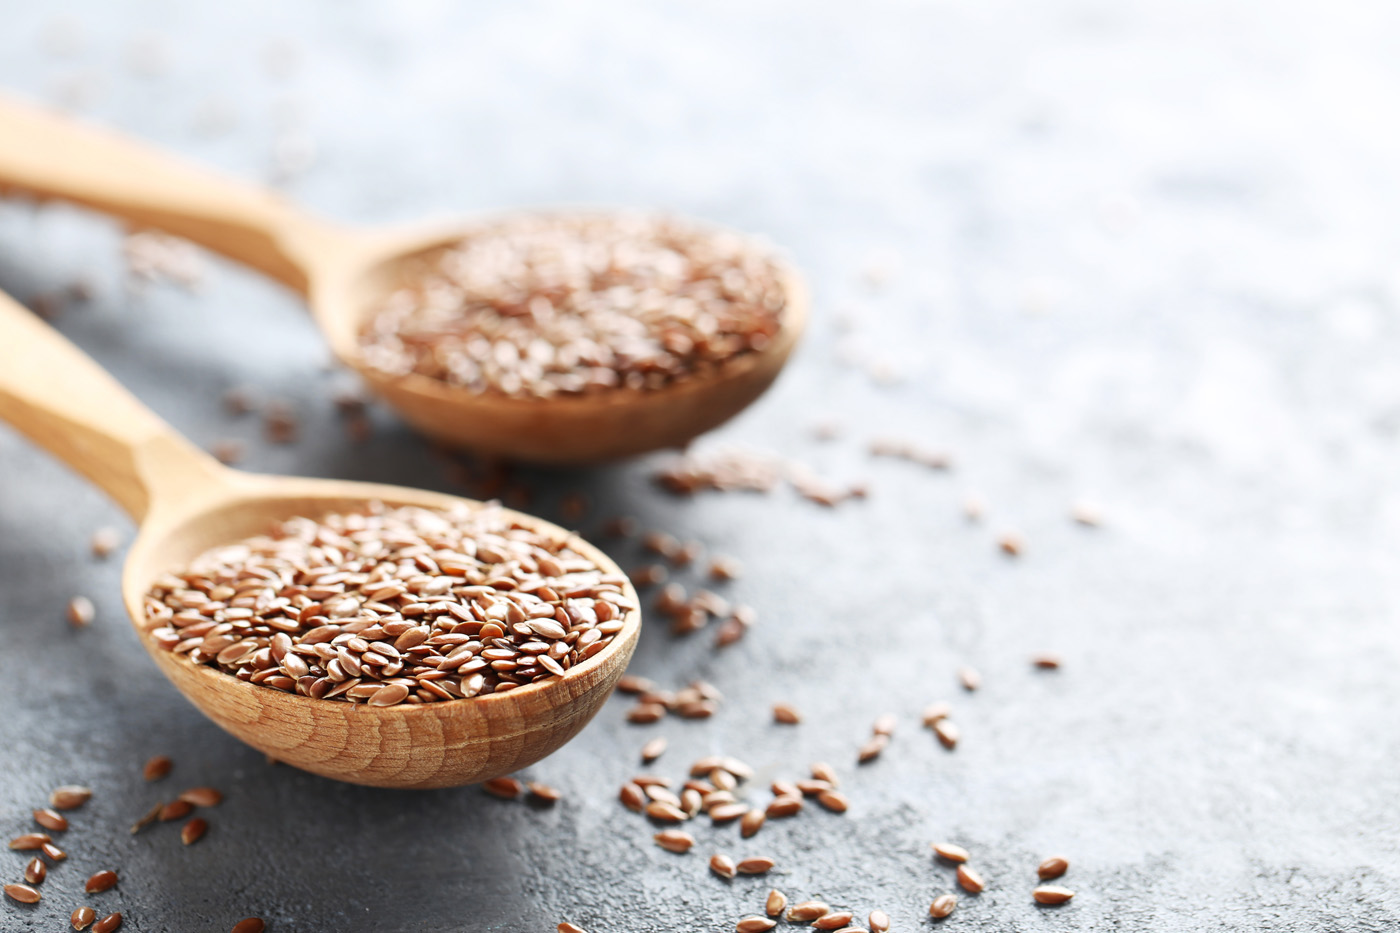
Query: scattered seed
969, 678
567, 927
970, 880
884, 725
665, 812
936, 711
82, 917
947, 732
193, 831
157, 768
725, 568
784, 806
202, 797
1051, 894
101, 881
69, 797
1053, 867
1046, 662
105, 540
786, 713
542, 793
51, 820
722, 865
176, 810
623, 526
775, 903
833, 800
507, 788
953, 853
81, 611
22, 893
879, 921
251, 925
942, 906
29, 841
728, 812
631, 683
872, 748
35, 871
649, 575
646, 713
755, 865
52, 852
653, 749
238, 401
974, 508
151, 816
108, 924
752, 822
674, 840
632, 797
807, 911
755, 924
833, 921
825, 772
1086, 513
1011, 544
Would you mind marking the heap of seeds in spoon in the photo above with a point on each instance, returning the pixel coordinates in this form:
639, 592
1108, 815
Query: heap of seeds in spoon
394, 605
536, 306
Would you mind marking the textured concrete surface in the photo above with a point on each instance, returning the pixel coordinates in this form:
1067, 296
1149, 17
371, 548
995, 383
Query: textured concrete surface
1136, 253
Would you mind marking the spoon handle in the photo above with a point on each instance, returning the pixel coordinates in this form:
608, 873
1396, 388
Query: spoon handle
54, 157
55, 395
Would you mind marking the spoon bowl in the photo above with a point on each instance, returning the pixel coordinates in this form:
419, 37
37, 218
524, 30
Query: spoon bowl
346, 273
187, 503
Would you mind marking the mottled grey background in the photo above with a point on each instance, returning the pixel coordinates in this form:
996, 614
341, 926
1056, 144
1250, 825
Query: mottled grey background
1136, 253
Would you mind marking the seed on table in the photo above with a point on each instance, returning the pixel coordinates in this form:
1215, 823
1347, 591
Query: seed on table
657, 792
1053, 867
723, 567
698, 709
101, 881
936, 711
833, 921
723, 780
755, 924
703, 766
81, 611
632, 797
653, 749
775, 903
969, 678
722, 865
108, 924
727, 812
623, 526
69, 797
1011, 544
104, 541
879, 921
970, 880
1046, 662
1086, 513
665, 812
784, 806
755, 865
974, 508
51, 820
35, 871
884, 725
813, 787
947, 732
29, 841
646, 713
674, 840
202, 796
251, 925
808, 910
942, 906
157, 768
729, 763
1051, 894
953, 853
786, 713
193, 831
52, 852
752, 822
542, 793
833, 800
150, 817
82, 917
567, 927
22, 893
507, 788
872, 749
176, 810
825, 772
631, 683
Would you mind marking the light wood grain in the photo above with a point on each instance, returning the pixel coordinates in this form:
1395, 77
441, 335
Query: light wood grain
186, 502
346, 273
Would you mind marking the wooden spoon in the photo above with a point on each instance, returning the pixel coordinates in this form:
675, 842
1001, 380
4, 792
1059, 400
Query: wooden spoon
345, 275
186, 502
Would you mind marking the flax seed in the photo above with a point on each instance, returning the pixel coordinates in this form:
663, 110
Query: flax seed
724, 568
727, 812
193, 831
953, 853
69, 797
22, 893
784, 806
27, 842
101, 881
653, 749
879, 921
1087, 514
567, 927
786, 713
646, 713
81, 611
631, 683
82, 917
833, 921
755, 865
151, 816
52, 852
1053, 867
833, 800
251, 925
969, 679
722, 865
632, 797
872, 748
1046, 662
825, 772
775, 904
1051, 894
970, 880
108, 924
105, 540
947, 732
157, 768
752, 822
507, 788
1011, 544
35, 871
674, 840
942, 906
755, 924
884, 725
51, 820
808, 911
176, 810
202, 796
542, 793
936, 711
665, 812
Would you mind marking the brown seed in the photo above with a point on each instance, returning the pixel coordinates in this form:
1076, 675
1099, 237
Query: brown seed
970, 880
69, 797
157, 768
674, 840
29, 841
784, 806
81, 917
631, 683
22, 893
1051, 894
942, 906
542, 793
786, 713
825, 772
507, 788
193, 831
52, 852
108, 924
812, 788
969, 678
389, 695
1046, 662
775, 903
872, 749
947, 732
726, 812
752, 822
808, 910
833, 921
567, 927
653, 749
722, 865
105, 540
251, 925
1053, 867
879, 921
953, 853
755, 865
1086, 513
665, 812
101, 881
150, 817
755, 924
833, 800
723, 567
645, 713
202, 797
1011, 544
81, 611
51, 820
884, 725
632, 797
35, 871
176, 810
936, 711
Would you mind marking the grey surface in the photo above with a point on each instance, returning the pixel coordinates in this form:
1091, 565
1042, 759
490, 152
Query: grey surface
1138, 253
